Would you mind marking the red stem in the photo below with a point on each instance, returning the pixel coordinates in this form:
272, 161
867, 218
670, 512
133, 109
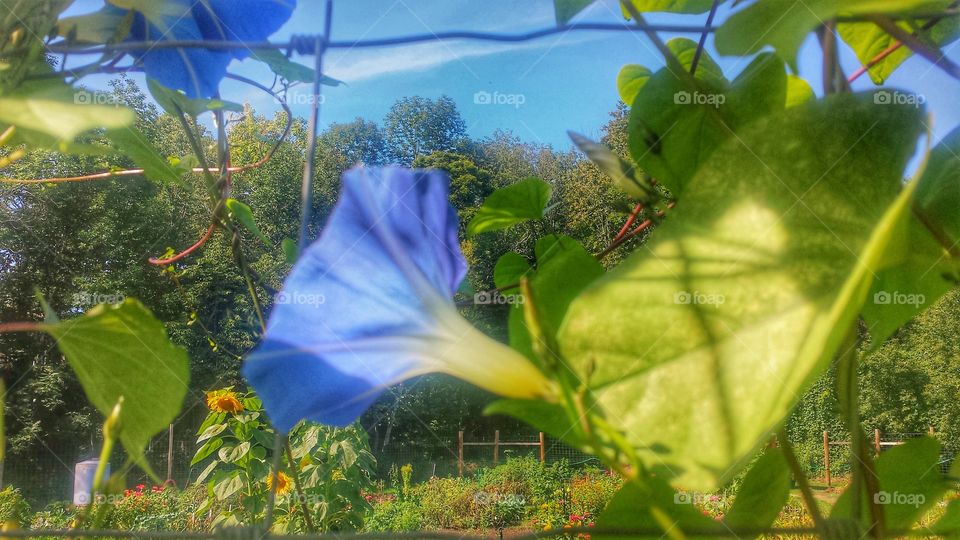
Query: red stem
203, 240
630, 220
875, 60
19, 327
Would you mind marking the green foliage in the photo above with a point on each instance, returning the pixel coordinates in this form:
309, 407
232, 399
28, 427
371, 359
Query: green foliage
14, 508
511, 205
332, 467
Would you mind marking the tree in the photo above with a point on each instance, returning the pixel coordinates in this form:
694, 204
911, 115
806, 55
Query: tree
360, 141
469, 184
417, 126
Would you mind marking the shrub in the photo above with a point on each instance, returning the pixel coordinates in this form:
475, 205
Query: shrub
526, 477
54, 516
392, 515
450, 503
13, 507
154, 509
591, 490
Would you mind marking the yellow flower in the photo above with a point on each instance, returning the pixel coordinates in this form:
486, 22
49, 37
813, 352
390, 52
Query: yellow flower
224, 401
547, 527
284, 483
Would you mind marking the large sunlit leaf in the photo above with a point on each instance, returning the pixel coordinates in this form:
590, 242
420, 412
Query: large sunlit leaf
507, 206
123, 351
703, 342
677, 121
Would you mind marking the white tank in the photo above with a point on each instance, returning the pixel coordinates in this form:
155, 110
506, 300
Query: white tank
83, 480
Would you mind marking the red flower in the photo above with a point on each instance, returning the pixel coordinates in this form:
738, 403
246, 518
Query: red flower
140, 487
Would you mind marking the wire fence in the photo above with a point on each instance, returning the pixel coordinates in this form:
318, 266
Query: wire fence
46, 476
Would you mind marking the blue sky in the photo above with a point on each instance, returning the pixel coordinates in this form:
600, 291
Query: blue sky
548, 86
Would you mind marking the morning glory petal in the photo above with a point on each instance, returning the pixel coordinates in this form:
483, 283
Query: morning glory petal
369, 304
242, 20
194, 70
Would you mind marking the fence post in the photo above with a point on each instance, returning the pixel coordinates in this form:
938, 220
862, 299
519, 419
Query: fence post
543, 449
496, 446
459, 453
876, 441
826, 456
170, 453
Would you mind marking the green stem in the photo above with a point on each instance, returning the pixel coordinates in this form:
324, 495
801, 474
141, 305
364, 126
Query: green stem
801, 479
864, 476
295, 472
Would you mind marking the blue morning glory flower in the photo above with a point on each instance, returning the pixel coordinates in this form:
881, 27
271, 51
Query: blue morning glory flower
198, 71
369, 304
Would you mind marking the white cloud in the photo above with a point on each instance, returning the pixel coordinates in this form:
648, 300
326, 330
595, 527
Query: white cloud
357, 65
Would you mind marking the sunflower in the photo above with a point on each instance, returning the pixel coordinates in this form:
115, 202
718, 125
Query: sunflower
224, 401
284, 483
